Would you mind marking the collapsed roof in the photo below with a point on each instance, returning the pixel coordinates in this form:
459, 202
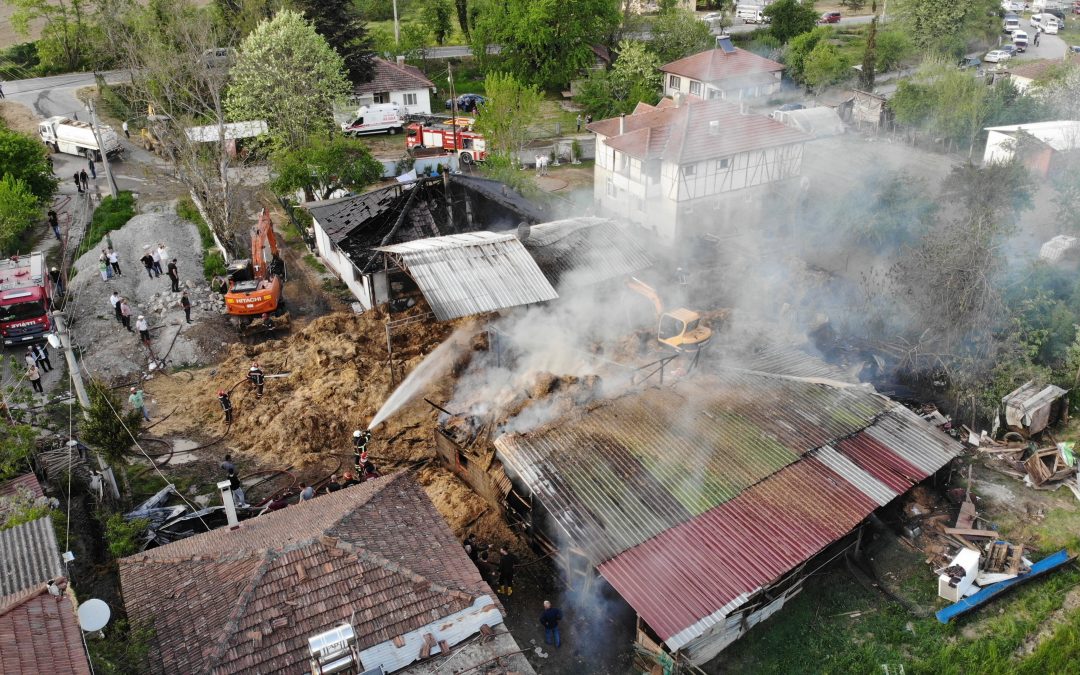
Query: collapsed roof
578, 252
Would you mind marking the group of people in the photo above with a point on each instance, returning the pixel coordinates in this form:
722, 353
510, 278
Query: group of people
109, 264
37, 361
122, 312
152, 259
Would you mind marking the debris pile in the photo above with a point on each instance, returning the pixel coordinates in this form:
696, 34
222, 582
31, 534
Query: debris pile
200, 295
1040, 467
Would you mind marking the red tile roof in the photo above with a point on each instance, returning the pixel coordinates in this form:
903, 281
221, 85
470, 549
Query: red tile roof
393, 77
39, 633
27, 481
715, 65
680, 134
247, 600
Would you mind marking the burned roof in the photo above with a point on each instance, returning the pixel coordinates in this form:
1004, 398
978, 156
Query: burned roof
715, 65
29, 556
39, 633
27, 482
583, 251
246, 600
472, 273
794, 461
394, 77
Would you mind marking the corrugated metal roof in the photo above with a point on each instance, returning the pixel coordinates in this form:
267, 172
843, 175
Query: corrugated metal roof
640, 464
473, 273
28, 556
580, 252
233, 131
27, 482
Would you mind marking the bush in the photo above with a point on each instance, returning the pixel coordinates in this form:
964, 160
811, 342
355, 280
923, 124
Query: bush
315, 264
213, 261
19, 212
213, 265
111, 215
123, 535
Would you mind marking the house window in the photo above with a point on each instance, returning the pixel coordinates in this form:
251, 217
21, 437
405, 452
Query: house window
715, 94
674, 82
612, 191
381, 97
410, 99
723, 163
695, 88
689, 170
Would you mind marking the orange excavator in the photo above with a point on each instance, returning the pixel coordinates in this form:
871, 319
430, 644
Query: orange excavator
679, 329
254, 285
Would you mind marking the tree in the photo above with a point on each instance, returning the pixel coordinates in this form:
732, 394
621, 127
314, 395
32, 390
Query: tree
946, 101
414, 42
65, 31
297, 96
510, 108
789, 18
853, 5
824, 66
437, 17
945, 25
545, 42
677, 34
25, 158
19, 211
463, 16
800, 47
634, 77
869, 58
893, 48
636, 65
325, 166
344, 29
16, 446
109, 426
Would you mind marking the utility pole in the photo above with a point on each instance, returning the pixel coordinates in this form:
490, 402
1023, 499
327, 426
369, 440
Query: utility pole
63, 343
453, 107
397, 29
101, 148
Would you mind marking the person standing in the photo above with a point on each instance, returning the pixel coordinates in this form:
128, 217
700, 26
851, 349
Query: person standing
115, 300
549, 619
125, 314
185, 302
114, 260
78, 182
104, 269
255, 377
306, 492
157, 262
237, 489
57, 279
138, 403
41, 354
54, 223
85, 180
2, 96
29, 357
360, 441
148, 262
174, 276
226, 407
124, 126
162, 252
143, 327
579, 123
34, 375
90, 165
507, 561
104, 257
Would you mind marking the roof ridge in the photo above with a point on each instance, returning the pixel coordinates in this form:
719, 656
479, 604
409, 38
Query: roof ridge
232, 622
405, 70
16, 600
391, 566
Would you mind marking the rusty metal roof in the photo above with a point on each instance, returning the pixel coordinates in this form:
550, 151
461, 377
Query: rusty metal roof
472, 273
583, 251
28, 556
643, 463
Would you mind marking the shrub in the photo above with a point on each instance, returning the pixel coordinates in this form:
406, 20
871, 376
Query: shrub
111, 215
123, 535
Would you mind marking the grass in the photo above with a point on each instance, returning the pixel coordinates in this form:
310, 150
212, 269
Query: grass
110, 215
311, 260
213, 261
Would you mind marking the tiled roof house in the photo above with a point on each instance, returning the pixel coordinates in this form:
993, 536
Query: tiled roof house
731, 73
377, 556
397, 83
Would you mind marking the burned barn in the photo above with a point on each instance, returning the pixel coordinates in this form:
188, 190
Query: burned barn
702, 503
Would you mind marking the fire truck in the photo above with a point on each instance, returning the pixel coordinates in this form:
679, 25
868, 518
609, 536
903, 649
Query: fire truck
452, 135
25, 296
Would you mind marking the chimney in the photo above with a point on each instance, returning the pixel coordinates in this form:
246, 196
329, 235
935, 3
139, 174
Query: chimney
227, 501
622, 123
401, 60
714, 127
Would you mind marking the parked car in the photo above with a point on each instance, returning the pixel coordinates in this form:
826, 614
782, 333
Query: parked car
1075, 49
970, 62
466, 102
712, 16
830, 17
997, 56
1011, 50
787, 107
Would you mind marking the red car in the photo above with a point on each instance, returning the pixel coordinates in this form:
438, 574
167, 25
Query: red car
830, 17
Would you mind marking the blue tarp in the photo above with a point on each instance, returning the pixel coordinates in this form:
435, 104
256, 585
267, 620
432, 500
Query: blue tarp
1047, 564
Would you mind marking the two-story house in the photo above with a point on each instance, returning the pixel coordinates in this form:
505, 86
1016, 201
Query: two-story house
669, 168
725, 72
397, 83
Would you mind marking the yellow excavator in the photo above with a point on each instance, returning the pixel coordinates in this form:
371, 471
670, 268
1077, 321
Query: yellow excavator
679, 329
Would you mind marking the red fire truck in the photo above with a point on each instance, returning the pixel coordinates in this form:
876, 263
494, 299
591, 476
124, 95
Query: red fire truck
25, 294
453, 135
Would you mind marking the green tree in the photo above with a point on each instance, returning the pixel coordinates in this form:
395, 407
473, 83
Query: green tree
296, 97
853, 5
65, 33
124, 535
109, 426
25, 158
945, 26
893, 48
325, 166
677, 34
19, 211
462, 7
545, 42
869, 58
634, 77
789, 18
437, 17
800, 47
636, 64
16, 446
340, 23
510, 108
415, 39
824, 66
944, 100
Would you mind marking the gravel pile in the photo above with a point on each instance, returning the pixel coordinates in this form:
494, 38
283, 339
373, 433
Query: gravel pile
109, 351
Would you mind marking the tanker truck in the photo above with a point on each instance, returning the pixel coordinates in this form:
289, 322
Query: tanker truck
63, 134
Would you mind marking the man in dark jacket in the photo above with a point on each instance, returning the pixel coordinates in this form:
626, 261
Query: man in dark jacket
148, 262
549, 619
255, 377
226, 406
174, 276
507, 561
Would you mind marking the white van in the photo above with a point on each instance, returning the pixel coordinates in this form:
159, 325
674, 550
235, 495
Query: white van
372, 119
751, 13
1011, 23
1047, 22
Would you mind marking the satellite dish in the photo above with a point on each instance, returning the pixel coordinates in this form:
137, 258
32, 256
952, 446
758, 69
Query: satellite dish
93, 615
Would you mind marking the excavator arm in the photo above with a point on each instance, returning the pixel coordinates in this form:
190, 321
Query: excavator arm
639, 286
263, 241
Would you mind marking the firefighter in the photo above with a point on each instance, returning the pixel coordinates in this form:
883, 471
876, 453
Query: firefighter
267, 323
255, 376
226, 405
360, 442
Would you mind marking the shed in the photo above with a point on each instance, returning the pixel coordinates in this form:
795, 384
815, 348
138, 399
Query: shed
1032, 407
869, 110
234, 132
818, 122
583, 251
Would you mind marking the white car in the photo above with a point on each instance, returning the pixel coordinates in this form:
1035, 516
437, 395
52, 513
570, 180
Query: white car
712, 16
996, 56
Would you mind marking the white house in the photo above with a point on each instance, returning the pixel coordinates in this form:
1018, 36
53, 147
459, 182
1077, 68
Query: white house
671, 167
725, 72
397, 83
1040, 144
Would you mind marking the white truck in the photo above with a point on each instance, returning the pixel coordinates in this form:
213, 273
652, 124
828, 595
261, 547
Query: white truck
74, 137
371, 119
751, 13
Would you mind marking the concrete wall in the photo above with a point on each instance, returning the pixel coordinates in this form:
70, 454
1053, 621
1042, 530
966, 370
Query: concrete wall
342, 267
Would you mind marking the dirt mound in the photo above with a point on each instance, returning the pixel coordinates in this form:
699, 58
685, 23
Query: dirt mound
322, 383
19, 118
